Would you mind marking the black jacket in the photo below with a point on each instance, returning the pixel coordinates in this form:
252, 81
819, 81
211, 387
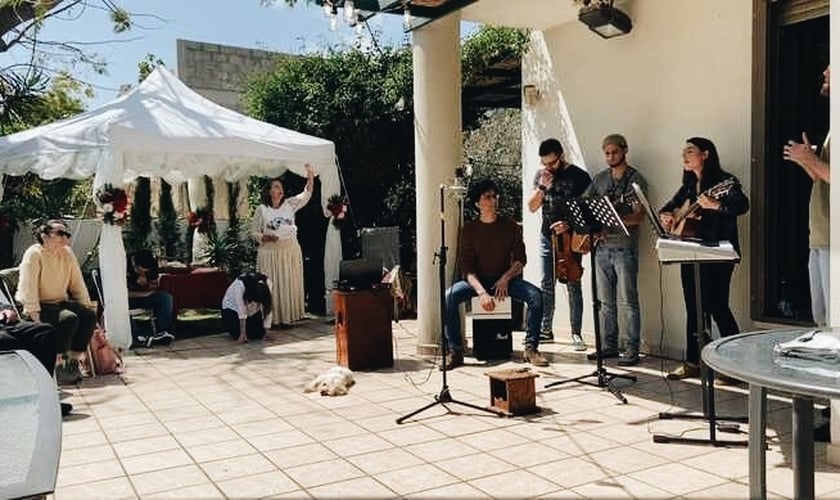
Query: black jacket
715, 225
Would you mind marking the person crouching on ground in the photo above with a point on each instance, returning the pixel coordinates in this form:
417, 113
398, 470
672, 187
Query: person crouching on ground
246, 307
143, 294
492, 255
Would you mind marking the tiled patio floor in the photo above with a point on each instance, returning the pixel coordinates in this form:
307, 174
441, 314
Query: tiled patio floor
206, 418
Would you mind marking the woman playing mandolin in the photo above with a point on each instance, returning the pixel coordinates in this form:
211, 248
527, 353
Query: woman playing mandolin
709, 202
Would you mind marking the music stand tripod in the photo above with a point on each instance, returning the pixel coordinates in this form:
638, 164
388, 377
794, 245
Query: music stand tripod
591, 214
444, 397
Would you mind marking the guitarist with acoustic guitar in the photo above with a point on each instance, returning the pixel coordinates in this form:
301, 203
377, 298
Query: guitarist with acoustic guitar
711, 199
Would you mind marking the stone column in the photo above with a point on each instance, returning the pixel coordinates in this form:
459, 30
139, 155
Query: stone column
437, 143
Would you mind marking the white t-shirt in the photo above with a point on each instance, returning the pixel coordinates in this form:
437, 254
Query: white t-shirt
233, 300
279, 221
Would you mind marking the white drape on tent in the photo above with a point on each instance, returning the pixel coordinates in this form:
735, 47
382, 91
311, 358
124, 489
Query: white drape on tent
164, 129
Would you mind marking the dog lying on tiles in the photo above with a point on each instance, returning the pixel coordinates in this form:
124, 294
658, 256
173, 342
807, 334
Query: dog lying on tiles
336, 381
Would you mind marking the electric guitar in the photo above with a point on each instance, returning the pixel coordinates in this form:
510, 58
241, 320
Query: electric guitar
685, 218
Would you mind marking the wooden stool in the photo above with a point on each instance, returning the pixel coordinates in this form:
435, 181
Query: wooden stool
513, 391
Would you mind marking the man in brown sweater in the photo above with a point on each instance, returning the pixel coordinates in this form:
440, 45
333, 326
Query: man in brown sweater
492, 255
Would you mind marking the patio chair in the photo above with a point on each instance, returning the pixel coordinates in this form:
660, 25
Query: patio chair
9, 278
134, 314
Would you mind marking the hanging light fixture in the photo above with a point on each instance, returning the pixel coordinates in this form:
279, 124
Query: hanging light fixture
350, 14
604, 19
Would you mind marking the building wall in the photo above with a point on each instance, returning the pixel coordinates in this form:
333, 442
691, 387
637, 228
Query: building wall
220, 72
685, 70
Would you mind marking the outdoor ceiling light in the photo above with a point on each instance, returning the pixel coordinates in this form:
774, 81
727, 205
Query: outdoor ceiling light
604, 19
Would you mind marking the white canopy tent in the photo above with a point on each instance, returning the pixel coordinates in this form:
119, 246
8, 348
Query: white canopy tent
162, 128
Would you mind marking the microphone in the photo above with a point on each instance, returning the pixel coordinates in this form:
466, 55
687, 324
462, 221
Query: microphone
458, 186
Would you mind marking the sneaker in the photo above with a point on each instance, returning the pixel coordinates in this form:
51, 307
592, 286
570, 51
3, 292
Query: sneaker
66, 408
65, 375
609, 352
686, 370
546, 338
533, 356
629, 358
578, 342
162, 338
454, 359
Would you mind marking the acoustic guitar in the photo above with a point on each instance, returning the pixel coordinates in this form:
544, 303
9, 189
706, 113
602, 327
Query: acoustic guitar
687, 217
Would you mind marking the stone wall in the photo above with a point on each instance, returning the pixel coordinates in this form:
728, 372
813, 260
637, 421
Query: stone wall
219, 72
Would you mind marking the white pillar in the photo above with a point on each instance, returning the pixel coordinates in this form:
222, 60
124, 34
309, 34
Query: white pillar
437, 144
833, 450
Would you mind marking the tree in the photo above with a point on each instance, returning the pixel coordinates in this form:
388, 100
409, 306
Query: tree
494, 149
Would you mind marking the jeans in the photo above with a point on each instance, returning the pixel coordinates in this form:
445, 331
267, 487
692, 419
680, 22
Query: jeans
547, 285
518, 289
714, 295
161, 305
616, 270
820, 282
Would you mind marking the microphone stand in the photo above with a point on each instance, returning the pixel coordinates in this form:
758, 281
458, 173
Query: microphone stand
444, 397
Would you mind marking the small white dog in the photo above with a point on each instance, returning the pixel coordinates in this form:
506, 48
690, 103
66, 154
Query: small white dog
334, 382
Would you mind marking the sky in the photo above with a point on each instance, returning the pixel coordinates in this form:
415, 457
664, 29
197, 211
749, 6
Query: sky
242, 23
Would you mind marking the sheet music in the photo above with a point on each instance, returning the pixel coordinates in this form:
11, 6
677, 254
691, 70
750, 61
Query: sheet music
689, 251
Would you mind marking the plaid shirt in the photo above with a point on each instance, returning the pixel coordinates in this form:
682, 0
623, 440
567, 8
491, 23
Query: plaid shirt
569, 183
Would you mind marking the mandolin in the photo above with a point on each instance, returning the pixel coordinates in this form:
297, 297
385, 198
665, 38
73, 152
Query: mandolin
686, 217
567, 269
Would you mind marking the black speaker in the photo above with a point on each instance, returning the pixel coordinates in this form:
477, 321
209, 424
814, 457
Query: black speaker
359, 274
492, 339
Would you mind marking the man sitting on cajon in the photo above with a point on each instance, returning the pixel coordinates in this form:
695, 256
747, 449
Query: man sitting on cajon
492, 255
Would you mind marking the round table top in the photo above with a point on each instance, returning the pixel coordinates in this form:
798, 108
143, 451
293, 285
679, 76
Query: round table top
750, 357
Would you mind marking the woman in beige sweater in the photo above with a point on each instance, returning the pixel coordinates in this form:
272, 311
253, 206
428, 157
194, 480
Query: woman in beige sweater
53, 291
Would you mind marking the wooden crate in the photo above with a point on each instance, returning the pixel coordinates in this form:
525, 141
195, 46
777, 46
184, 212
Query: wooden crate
513, 391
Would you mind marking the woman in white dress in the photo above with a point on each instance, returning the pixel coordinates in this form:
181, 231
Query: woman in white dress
279, 256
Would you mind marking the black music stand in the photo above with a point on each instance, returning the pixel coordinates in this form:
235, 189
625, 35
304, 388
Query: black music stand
707, 376
702, 337
444, 396
594, 215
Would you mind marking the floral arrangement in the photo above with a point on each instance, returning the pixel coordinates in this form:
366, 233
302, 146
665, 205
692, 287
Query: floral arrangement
337, 206
202, 220
114, 204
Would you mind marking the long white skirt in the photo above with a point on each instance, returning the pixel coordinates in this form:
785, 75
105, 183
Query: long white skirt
282, 262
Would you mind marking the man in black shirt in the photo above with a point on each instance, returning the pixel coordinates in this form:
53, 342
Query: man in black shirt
554, 184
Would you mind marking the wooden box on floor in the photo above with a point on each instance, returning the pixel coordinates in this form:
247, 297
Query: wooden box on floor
363, 329
513, 391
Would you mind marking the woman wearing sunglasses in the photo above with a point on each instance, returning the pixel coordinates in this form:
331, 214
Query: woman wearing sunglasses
53, 291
